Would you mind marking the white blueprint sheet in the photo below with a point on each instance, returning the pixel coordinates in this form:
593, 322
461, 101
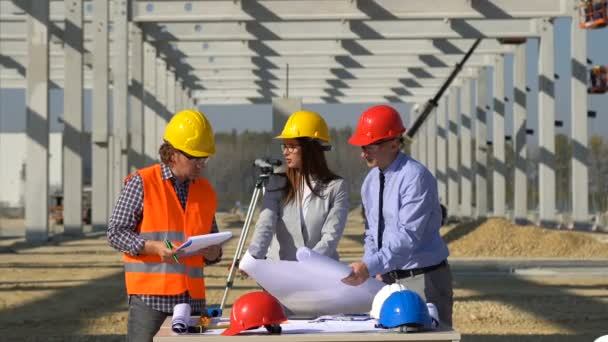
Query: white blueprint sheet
312, 285
195, 243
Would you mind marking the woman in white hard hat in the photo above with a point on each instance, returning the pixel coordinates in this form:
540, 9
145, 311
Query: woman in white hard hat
308, 206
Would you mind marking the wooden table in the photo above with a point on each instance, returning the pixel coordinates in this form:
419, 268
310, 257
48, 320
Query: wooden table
165, 335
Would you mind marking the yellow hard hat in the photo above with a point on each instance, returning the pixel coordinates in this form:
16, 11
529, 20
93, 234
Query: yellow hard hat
305, 124
189, 131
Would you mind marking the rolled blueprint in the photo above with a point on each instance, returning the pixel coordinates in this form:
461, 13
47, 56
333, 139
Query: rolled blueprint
434, 315
181, 318
318, 261
312, 286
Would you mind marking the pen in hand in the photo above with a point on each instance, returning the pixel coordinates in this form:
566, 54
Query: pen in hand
168, 243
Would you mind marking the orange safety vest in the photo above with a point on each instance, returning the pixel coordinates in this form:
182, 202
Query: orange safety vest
164, 219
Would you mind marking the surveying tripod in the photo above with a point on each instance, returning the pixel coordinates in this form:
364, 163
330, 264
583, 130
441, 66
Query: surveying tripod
266, 167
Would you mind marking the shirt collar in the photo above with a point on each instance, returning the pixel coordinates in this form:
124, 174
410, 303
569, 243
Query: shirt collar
166, 173
396, 164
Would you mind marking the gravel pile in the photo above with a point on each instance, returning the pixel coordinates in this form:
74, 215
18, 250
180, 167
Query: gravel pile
497, 237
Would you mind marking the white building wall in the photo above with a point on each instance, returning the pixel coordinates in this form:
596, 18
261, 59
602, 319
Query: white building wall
12, 169
12, 159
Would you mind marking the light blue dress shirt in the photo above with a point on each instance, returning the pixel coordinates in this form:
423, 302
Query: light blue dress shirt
412, 218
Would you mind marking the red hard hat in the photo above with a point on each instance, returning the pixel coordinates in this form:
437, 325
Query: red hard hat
377, 123
252, 310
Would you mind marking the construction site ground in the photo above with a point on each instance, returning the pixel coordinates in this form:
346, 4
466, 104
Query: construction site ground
512, 283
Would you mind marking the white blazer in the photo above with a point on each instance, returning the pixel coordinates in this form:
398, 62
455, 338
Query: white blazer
279, 231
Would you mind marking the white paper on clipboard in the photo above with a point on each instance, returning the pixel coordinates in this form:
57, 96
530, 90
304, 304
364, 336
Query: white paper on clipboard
195, 243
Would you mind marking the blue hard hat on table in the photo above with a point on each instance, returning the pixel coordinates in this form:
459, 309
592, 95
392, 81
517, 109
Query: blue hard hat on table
404, 308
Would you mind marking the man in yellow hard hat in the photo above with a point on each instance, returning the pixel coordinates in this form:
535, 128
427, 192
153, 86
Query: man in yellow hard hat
159, 208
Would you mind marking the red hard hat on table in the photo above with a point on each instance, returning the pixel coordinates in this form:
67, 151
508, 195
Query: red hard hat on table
252, 310
375, 124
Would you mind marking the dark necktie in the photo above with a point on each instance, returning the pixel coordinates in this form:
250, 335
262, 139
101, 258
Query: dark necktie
380, 216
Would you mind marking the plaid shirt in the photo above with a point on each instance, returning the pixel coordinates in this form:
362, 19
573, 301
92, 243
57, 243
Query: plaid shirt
122, 235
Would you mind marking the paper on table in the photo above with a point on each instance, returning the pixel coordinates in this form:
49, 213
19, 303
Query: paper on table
181, 318
306, 327
195, 243
312, 286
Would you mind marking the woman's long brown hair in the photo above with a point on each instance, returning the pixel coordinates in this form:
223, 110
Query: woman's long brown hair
314, 167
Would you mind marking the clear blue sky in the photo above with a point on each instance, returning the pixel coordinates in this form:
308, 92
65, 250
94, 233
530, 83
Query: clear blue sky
258, 117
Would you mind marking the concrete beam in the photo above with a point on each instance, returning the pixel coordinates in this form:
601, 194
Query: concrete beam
314, 99
317, 74
268, 10
297, 62
361, 47
344, 29
337, 29
323, 83
312, 92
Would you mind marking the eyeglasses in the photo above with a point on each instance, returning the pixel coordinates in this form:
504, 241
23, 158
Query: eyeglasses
289, 147
375, 146
203, 160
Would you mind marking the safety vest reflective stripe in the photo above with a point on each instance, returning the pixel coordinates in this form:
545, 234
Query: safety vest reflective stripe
145, 267
160, 236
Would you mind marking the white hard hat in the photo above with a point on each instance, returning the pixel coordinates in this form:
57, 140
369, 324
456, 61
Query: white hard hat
381, 296
602, 339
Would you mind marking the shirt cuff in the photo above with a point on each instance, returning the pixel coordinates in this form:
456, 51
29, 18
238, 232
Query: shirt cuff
374, 264
256, 252
137, 246
219, 257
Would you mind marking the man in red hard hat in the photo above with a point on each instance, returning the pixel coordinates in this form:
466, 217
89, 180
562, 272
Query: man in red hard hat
403, 213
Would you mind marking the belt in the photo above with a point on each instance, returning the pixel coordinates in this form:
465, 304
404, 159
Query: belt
391, 276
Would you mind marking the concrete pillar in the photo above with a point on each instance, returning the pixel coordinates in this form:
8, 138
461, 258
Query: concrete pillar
579, 134
421, 141
282, 108
100, 166
171, 107
150, 138
453, 174
184, 95
466, 172
120, 93
481, 138
73, 118
546, 125
520, 203
136, 95
37, 124
442, 136
178, 94
498, 142
431, 142
414, 145
161, 100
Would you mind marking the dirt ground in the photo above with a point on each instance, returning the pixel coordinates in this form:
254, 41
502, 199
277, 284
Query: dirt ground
73, 288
